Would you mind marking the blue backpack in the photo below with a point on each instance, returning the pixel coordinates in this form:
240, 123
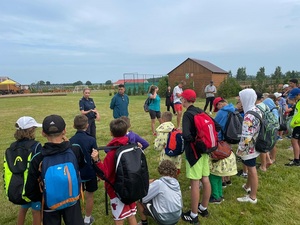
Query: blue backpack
61, 180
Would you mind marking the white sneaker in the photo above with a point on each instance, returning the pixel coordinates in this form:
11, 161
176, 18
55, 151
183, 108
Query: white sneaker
247, 199
248, 190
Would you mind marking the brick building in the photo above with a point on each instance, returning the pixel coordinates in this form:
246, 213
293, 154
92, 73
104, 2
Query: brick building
197, 74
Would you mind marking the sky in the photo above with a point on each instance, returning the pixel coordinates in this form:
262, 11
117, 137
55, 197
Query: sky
64, 41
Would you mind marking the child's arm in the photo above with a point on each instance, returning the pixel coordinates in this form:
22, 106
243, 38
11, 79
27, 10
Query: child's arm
143, 142
160, 141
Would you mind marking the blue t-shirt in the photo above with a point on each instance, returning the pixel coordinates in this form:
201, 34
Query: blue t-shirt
86, 105
154, 103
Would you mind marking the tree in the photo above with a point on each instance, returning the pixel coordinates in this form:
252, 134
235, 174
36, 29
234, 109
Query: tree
162, 85
229, 88
278, 75
241, 74
41, 82
47, 82
260, 80
88, 83
108, 82
229, 73
78, 83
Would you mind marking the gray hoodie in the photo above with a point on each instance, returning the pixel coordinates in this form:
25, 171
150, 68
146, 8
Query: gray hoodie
166, 197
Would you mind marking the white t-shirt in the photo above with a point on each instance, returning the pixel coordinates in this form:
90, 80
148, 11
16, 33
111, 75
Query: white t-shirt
210, 88
177, 89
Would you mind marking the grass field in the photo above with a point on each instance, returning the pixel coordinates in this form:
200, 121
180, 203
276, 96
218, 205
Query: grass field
278, 193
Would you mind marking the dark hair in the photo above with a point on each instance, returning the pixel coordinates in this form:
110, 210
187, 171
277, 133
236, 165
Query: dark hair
294, 81
272, 96
167, 168
80, 122
121, 86
127, 120
118, 127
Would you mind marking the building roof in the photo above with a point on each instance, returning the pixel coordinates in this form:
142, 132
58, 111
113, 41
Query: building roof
7, 78
122, 81
211, 67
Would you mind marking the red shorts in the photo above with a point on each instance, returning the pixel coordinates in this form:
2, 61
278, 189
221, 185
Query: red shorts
178, 107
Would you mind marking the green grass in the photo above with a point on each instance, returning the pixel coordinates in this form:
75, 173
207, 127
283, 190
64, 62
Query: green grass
278, 192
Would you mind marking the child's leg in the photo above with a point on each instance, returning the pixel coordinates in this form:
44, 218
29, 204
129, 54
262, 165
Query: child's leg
296, 149
273, 154
132, 220
141, 209
214, 182
253, 181
36, 217
263, 161
89, 199
22, 215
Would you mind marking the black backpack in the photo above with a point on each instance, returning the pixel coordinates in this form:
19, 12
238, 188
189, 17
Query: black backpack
233, 128
132, 176
16, 163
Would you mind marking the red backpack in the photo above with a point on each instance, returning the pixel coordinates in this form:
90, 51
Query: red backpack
207, 136
175, 143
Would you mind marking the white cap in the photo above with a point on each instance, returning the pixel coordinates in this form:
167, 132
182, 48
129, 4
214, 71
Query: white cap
277, 95
285, 86
27, 122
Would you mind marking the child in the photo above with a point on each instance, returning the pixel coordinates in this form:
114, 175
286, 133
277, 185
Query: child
295, 124
120, 211
163, 201
24, 134
133, 137
226, 167
87, 173
161, 140
54, 130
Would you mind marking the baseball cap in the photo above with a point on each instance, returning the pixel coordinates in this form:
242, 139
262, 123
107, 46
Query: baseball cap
53, 124
277, 95
26, 122
189, 95
285, 86
215, 103
294, 92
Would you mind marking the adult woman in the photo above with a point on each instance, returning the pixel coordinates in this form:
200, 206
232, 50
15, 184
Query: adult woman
88, 108
169, 99
154, 106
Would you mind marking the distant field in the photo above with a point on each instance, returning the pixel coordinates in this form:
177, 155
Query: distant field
278, 192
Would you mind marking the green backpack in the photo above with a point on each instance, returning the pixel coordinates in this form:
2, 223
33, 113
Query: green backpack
16, 163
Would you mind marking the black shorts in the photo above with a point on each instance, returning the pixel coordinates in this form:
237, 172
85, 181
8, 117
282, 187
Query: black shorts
154, 114
90, 185
250, 162
296, 133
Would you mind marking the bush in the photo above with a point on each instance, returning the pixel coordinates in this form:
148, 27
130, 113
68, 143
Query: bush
229, 88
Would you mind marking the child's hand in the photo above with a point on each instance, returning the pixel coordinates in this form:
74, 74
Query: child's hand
95, 155
140, 145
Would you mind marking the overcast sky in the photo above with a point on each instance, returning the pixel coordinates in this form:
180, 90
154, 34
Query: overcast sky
63, 41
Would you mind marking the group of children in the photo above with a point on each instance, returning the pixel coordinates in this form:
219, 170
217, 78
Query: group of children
164, 200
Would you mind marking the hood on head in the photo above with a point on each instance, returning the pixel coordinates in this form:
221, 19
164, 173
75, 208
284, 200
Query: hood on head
248, 98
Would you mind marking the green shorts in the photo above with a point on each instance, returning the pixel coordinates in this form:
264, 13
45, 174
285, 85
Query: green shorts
198, 170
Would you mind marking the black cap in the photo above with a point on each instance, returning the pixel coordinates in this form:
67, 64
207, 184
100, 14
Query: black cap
53, 124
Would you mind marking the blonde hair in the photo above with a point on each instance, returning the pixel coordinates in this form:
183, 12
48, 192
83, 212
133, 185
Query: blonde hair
26, 133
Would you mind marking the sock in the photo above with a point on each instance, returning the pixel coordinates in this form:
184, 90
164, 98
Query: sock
202, 208
144, 222
87, 219
194, 215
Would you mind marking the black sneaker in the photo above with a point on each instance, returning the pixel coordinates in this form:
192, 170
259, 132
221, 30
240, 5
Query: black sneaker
203, 213
228, 183
215, 200
224, 185
187, 218
292, 163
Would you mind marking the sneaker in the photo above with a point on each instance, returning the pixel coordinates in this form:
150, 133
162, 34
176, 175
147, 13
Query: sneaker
279, 138
292, 163
247, 199
215, 201
187, 218
92, 220
203, 213
228, 183
248, 190
224, 185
